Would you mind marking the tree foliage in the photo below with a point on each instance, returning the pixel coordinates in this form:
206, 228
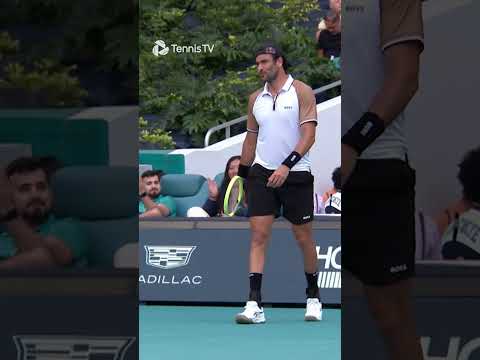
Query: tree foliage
191, 92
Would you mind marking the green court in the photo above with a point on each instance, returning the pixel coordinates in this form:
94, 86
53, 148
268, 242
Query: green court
188, 332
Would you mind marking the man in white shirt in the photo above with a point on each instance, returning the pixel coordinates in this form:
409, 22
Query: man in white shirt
275, 161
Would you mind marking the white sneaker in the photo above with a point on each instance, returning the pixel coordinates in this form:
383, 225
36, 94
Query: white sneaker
252, 314
314, 310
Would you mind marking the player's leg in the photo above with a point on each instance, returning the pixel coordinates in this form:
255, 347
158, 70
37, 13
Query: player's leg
304, 236
297, 198
261, 228
392, 310
262, 205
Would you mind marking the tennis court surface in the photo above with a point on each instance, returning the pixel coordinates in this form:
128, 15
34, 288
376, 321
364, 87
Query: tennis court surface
191, 332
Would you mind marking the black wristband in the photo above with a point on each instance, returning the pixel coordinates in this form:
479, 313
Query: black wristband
292, 159
142, 195
364, 132
243, 171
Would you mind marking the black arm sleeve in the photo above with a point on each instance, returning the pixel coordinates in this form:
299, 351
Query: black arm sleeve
210, 206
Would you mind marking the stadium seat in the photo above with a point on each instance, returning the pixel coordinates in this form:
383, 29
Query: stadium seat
105, 200
187, 190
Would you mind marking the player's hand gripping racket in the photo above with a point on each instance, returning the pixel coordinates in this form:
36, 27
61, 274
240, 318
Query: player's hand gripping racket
233, 196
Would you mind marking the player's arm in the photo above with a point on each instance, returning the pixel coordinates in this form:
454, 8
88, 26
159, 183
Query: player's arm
402, 43
250, 143
307, 123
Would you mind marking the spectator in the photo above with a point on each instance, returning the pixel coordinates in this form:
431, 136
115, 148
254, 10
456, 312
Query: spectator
336, 7
33, 237
329, 39
461, 240
213, 206
152, 203
333, 204
320, 202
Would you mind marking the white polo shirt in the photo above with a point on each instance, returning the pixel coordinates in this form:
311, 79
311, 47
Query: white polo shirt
279, 120
370, 27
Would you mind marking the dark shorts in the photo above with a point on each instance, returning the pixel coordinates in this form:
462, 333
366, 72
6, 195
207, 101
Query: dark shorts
294, 199
378, 222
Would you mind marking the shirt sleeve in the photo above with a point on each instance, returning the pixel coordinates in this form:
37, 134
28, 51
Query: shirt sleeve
306, 103
73, 236
141, 207
401, 21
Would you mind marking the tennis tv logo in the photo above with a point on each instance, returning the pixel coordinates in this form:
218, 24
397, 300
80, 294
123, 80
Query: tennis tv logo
160, 48
66, 347
331, 278
458, 349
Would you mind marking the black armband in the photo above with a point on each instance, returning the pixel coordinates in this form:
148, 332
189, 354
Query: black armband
292, 159
243, 171
364, 132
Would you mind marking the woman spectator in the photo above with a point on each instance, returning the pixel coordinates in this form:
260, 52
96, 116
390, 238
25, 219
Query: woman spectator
213, 206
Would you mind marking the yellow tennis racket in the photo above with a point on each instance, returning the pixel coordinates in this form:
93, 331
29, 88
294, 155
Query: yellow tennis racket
233, 196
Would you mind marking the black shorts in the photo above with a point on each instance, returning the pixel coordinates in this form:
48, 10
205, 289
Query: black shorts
294, 199
378, 222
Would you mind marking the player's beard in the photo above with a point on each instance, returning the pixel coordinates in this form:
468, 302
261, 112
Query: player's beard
271, 75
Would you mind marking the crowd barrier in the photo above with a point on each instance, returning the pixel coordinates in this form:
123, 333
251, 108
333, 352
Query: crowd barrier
76, 314
206, 260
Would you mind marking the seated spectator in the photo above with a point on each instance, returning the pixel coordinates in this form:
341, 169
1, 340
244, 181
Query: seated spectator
329, 39
213, 206
152, 203
33, 237
321, 202
461, 240
333, 204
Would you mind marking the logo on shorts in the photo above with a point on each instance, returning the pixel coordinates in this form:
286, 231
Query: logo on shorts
398, 268
306, 217
168, 257
65, 347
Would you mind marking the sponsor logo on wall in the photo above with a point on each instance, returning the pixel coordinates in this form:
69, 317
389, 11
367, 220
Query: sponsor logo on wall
456, 348
62, 347
330, 276
169, 258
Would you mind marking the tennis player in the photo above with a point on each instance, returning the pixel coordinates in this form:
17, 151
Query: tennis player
280, 131
382, 43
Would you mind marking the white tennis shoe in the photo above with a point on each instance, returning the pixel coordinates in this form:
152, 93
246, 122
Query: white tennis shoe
252, 314
314, 310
